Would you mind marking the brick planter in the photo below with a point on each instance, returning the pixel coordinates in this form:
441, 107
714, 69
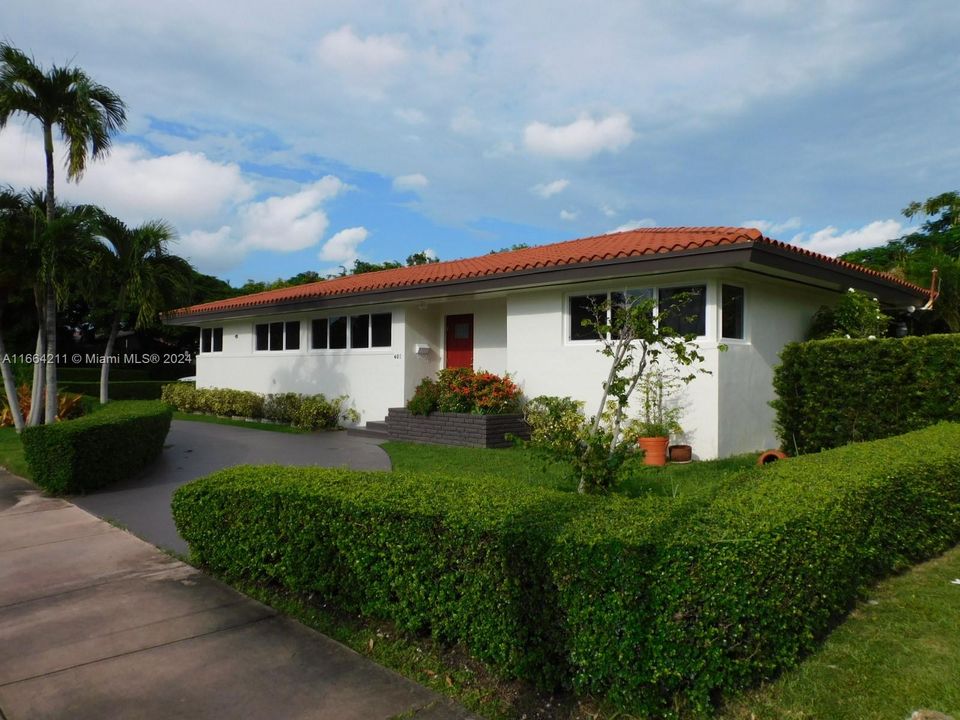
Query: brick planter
455, 428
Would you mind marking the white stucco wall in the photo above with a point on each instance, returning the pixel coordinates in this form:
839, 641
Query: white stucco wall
542, 359
373, 378
776, 313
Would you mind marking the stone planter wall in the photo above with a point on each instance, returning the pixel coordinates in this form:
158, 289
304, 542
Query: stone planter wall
455, 428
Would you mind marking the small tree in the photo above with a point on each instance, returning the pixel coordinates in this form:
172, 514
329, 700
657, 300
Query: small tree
856, 315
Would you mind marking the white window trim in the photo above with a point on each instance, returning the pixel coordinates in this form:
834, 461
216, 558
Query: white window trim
285, 351
348, 350
211, 351
745, 340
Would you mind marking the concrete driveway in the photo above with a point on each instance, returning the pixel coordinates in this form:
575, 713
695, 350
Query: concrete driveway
195, 449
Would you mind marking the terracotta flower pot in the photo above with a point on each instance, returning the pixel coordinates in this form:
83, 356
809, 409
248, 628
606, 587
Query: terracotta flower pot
769, 456
681, 453
654, 450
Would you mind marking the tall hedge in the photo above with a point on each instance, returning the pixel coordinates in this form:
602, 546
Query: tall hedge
832, 392
653, 603
111, 444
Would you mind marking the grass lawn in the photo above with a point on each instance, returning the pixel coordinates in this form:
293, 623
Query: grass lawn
11, 453
524, 466
897, 652
190, 417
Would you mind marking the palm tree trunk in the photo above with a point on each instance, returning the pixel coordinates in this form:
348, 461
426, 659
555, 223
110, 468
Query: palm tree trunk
105, 366
50, 318
9, 384
36, 395
50, 407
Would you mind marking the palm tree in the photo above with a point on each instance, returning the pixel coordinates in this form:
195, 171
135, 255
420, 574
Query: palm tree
15, 262
135, 264
87, 114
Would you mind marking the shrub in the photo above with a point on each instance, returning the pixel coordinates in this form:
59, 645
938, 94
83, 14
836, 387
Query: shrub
183, 396
462, 559
318, 413
461, 390
426, 398
186, 397
655, 604
856, 315
112, 444
282, 407
832, 392
69, 406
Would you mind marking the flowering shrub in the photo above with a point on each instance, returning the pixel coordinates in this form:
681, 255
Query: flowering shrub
462, 390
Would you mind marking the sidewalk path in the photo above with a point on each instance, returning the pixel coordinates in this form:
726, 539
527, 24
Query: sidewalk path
195, 449
95, 623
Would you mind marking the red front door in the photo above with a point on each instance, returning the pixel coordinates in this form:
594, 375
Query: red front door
459, 341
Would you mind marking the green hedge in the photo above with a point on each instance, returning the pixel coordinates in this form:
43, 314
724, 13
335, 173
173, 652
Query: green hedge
832, 392
652, 603
119, 389
112, 444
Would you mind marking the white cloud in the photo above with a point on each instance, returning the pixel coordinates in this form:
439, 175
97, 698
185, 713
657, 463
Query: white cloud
291, 222
342, 248
411, 116
212, 252
347, 52
771, 228
635, 225
184, 188
830, 241
607, 210
416, 181
546, 190
569, 215
581, 139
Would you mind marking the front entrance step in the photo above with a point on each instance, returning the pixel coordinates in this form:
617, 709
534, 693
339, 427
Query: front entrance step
373, 429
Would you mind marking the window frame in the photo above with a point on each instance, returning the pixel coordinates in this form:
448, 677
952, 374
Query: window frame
350, 322
745, 335
283, 334
209, 337
653, 289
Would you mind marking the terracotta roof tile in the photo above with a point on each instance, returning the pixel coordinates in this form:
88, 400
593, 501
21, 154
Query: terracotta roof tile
631, 243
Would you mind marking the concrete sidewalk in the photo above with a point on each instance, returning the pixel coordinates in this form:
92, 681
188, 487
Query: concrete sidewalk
95, 623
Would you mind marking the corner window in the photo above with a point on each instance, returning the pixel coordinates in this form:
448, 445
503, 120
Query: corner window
278, 336
211, 340
685, 309
731, 312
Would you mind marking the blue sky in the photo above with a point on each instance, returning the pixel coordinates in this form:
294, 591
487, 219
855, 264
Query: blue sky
302, 135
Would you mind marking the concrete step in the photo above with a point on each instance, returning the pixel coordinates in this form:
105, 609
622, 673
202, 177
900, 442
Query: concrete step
373, 429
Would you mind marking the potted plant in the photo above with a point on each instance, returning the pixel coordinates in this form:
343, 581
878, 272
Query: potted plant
658, 420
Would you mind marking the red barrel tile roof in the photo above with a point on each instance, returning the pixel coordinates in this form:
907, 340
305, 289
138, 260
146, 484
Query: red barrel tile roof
630, 243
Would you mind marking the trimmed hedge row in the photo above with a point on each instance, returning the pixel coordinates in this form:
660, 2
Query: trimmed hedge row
653, 603
109, 445
832, 392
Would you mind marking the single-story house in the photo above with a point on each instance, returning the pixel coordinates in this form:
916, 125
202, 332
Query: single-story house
375, 336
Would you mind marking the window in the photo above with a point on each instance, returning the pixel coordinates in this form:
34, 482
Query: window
338, 333
585, 307
381, 326
684, 309
360, 331
278, 336
318, 334
731, 312
366, 331
211, 340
